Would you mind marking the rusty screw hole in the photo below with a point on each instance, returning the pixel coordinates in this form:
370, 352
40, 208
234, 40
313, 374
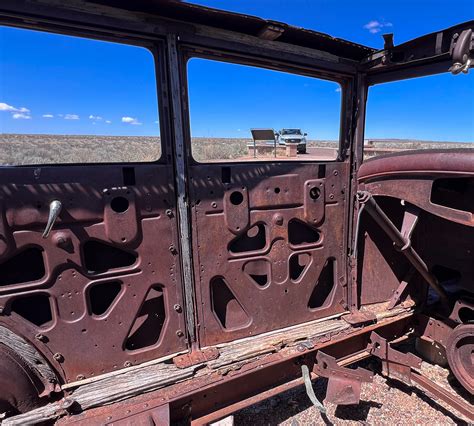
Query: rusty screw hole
236, 198
119, 204
314, 193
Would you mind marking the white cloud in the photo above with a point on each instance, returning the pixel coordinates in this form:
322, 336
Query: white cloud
10, 108
338, 89
130, 120
21, 116
17, 113
95, 117
375, 27
71, 117
108, 122
48, 116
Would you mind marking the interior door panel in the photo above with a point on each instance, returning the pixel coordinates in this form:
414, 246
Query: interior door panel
270, 245
102, 291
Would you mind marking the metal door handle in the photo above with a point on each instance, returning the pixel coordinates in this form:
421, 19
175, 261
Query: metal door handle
54, 210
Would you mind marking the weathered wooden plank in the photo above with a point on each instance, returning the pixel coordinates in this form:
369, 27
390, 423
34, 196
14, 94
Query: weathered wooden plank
107, 391
28, 353
271, 342
147, 378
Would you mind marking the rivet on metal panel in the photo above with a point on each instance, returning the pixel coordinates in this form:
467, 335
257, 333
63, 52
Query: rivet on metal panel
41, 337
127, 364
58, 357
303, 346
80, 377
169, 213
177, 308
179, 333
278, 219
68, 405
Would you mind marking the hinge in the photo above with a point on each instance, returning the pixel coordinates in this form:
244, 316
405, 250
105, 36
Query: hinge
461, 52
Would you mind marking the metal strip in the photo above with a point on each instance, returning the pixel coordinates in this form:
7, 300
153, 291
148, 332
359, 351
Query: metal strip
181, 193
309, 389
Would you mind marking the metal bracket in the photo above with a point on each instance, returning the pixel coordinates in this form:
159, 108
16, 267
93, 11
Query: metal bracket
196, 357
462, 45
395, 364
431, 329
410, 219
358, 318
400, 289
461, 304
344, 384
398, 365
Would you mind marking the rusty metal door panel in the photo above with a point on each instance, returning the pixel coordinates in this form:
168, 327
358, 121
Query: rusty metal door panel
441, 184
269, 245
103, 290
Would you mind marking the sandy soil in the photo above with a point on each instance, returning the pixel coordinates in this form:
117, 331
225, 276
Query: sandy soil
383, 402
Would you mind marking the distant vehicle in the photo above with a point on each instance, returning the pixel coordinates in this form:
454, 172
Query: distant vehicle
286, 136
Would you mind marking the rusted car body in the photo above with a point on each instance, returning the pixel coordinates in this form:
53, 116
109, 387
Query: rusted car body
179, 290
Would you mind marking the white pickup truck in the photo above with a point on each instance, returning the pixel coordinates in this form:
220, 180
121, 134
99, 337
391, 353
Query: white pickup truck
286, 136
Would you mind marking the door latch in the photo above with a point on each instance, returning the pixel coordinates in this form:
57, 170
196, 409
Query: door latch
54, 209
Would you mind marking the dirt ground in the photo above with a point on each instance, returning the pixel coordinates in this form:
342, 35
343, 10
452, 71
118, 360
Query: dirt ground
16, 149
383, 402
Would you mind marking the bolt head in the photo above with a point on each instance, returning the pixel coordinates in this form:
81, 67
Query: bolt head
278, 219
41, 337
179, 333
58, 357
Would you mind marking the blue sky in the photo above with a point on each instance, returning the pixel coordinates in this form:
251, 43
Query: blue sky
57, 84
67, 84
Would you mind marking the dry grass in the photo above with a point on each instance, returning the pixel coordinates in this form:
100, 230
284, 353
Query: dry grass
62, 149
208, 149
54, 149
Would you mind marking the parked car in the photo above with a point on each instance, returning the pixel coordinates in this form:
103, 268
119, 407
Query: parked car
286, 136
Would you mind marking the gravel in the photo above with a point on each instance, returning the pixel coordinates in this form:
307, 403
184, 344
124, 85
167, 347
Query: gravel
384, 401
